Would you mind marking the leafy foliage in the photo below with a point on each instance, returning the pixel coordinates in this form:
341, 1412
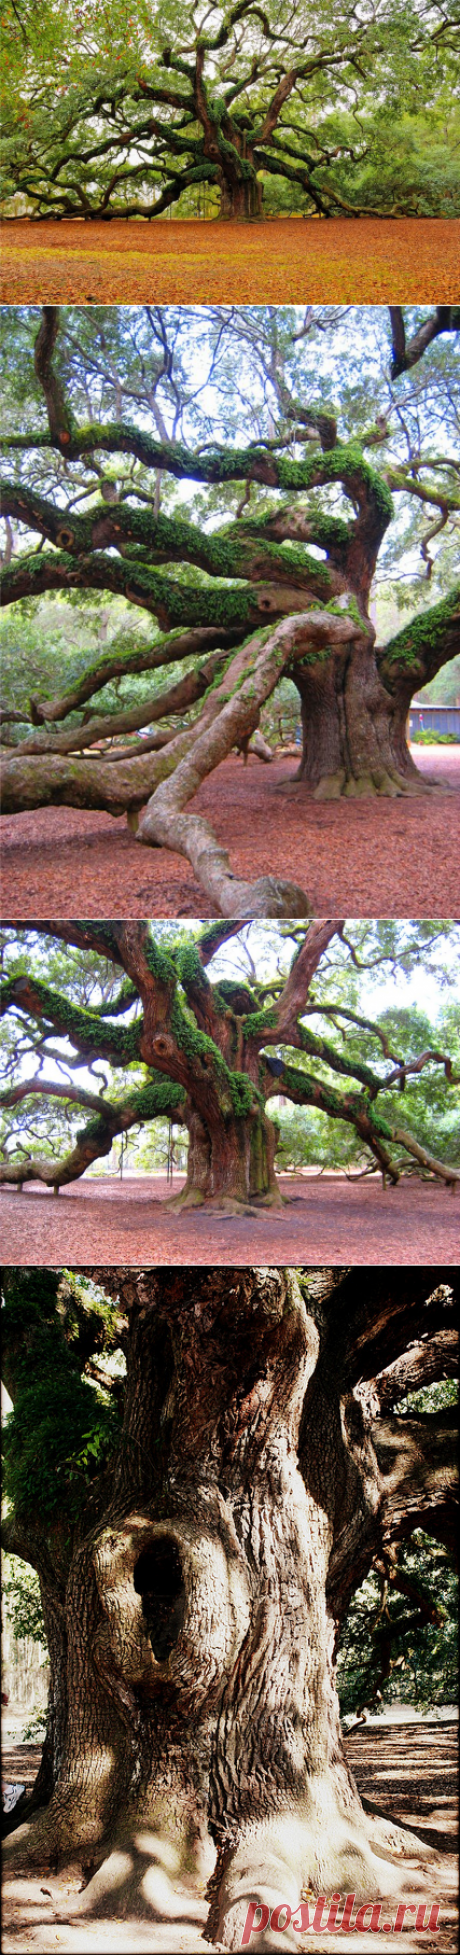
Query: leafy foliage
21, 1593
424, 1657
128, 112
389, 1649
62, 1429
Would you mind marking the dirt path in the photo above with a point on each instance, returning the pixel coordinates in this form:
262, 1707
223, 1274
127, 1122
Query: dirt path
326, 1220
284, 261
408, 1770
354, 858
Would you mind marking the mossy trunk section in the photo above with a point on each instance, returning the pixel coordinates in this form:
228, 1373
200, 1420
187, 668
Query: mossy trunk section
354, 730
230, 1161
240, 195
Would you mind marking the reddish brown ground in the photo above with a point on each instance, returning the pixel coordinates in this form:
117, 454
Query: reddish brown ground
329, 1220
284, 261
354, 858
408, 1770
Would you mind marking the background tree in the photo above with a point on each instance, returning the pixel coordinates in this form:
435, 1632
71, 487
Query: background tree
211, 1052
113, 112
399, 1641
271, 572
201, 1569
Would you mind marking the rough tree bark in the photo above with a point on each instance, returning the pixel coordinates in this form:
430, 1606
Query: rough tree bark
254, 1485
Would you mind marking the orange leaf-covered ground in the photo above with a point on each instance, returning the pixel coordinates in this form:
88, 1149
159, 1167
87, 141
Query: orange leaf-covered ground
282, 261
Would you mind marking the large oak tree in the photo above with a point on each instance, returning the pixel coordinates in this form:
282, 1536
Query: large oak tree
113, 111
196, 1563
211, 1055
269, 571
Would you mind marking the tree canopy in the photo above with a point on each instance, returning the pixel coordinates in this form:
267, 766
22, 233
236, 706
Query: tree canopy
248, 559
139, 1022
115, 112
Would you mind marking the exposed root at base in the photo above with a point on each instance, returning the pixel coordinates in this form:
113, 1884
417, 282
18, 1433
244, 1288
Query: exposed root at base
295, 1856
291, 1856
339, 787
226, 1204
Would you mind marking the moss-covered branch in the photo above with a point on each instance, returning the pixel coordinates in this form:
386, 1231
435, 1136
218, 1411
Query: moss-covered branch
174, 699
158, 1097
85, 1030
414, 656
257, 462
232, 551
115, 665
172, 603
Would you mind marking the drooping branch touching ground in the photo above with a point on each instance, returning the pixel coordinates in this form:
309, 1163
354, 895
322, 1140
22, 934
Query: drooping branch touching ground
157, 1098
280, 588
204, 1054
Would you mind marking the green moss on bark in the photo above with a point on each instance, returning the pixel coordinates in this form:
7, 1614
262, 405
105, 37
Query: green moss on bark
417, 652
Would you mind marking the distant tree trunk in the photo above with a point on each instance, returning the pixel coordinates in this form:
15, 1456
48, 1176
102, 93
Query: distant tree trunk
53, 1752
203, 1729
354, 729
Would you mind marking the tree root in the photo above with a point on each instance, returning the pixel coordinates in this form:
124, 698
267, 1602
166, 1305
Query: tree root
226, 1204
141, 1870
341, 786
290, 1856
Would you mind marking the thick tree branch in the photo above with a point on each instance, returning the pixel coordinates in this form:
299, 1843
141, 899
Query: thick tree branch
418, 1461
85, 1030
423, 1363
415, 655
405, 354
380, 1314
159, 1097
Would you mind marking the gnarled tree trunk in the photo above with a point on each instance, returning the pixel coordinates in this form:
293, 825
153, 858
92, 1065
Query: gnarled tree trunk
230, 1161
240, 197
354, 731
203, 1734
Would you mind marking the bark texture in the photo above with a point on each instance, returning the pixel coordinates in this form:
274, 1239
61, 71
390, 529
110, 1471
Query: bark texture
252, 1487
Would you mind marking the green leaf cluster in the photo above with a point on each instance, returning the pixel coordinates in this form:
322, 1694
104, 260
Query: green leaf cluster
61, 1430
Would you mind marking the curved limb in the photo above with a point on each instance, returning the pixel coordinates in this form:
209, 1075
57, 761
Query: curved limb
158, 1097
231, 716
450, 1175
